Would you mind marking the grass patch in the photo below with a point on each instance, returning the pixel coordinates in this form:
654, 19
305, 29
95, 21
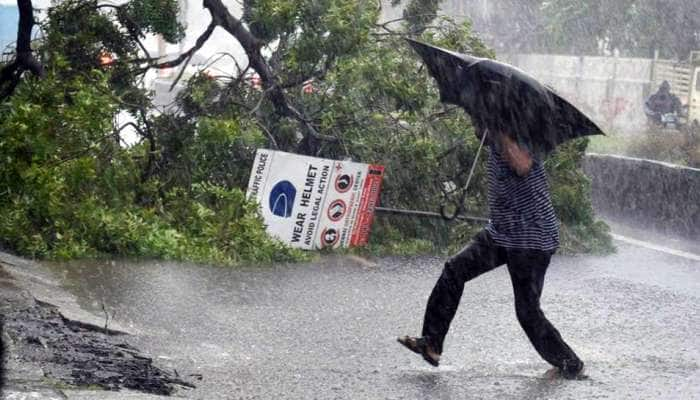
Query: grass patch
671, 146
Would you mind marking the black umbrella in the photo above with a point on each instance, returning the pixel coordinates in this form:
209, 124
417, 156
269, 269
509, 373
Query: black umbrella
505, 99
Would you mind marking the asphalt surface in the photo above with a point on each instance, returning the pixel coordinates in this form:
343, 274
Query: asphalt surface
327, 330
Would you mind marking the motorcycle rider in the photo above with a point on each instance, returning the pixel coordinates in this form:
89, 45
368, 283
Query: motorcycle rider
662, 102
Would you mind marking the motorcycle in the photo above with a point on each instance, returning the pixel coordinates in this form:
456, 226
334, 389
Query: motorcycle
671, 120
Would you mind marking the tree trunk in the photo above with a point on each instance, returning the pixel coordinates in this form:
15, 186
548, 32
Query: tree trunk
24, 59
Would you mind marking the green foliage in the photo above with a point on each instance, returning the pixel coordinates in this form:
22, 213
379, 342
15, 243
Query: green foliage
676, 147
73, 191
224, 222
311, 32
420, 13
70, 191
212, 150
80, 34
634, 27
152, 16
390, 237
384, 108
426, 147
83, 34
51, 122
591, 27
268, 19
579, 231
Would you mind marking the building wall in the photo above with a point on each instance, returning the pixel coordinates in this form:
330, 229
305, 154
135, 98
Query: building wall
611, 90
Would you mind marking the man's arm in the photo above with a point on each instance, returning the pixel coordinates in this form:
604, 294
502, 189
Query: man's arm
518, 158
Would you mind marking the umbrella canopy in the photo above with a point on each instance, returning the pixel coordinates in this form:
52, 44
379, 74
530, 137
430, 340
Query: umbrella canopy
505, 99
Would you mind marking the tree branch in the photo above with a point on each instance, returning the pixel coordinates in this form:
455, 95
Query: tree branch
252, 45
273, 142
150, 167
24, 60
189, 53
222, 17
24, 38
318, 74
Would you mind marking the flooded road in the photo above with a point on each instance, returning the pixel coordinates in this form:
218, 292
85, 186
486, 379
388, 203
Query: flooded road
327, 329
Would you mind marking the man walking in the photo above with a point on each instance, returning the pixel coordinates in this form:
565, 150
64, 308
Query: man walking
522, 233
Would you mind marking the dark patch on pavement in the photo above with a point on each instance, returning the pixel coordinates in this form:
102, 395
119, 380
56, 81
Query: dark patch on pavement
78, 354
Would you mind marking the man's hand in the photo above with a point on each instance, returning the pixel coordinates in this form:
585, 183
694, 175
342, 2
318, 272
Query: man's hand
518, 158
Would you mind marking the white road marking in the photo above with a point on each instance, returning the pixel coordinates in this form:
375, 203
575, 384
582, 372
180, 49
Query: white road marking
652, 246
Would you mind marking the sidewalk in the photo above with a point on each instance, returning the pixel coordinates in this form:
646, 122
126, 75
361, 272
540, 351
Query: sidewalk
649, 238
25, 294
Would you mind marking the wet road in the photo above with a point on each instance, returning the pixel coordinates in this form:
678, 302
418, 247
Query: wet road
327, 330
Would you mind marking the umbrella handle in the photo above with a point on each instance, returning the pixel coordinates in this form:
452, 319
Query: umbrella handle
460, 204
476, 159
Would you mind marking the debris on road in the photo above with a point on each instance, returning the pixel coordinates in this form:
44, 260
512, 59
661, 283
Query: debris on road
75, 354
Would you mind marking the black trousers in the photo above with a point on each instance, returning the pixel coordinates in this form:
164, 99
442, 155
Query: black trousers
527, 269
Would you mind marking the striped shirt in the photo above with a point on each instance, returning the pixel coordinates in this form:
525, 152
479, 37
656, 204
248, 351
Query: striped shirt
522, 215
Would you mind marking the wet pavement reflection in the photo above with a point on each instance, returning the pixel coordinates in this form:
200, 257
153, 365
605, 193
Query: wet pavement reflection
327, 329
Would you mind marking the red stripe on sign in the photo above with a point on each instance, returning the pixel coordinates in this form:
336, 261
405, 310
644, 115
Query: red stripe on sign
368, 201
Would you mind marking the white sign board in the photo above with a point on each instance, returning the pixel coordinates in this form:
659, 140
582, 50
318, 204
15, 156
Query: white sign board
314, 203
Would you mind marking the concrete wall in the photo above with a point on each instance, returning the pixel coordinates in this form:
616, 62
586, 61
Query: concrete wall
611, 90
658, 196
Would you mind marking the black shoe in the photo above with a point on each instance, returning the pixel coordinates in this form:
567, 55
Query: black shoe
573, 370
421, 346
576, 373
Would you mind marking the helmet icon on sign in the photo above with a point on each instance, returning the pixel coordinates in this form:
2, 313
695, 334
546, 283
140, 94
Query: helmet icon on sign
281, 201
336, 210
343, 183
329, 237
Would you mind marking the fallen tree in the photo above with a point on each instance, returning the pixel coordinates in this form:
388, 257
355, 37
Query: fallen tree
334, 82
